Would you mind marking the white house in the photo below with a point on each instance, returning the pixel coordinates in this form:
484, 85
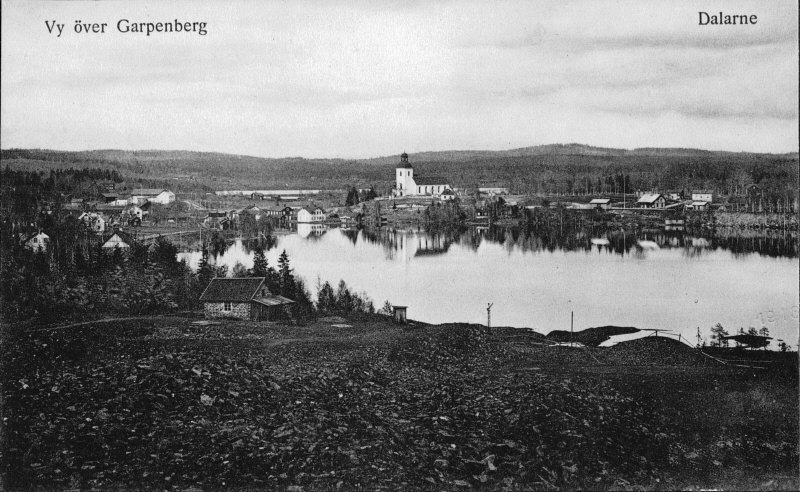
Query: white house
93, 221
155, 195
118, 240
601, 203
406, 184
702, 196
652, 200
305, 216
37, 242
447, 194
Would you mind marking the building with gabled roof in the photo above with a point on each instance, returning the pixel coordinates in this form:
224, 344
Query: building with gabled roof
119, 240
652, 200
154, 195
243, 298
38, 241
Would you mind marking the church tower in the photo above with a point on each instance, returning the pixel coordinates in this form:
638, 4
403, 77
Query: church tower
404, 177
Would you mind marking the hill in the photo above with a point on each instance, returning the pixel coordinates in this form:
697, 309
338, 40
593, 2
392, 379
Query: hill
546, 169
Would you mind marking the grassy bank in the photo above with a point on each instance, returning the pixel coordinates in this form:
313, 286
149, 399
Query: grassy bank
166, 403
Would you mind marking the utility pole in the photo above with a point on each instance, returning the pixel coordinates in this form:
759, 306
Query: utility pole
572, 327
489, 316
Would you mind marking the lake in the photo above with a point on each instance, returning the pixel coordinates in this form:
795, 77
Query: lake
658, 279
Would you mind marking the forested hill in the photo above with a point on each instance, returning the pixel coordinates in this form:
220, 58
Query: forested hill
546, 169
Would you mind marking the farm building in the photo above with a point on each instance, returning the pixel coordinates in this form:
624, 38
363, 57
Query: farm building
406, 184
698, 205
154, 195
652, 200
243, 298
601, 203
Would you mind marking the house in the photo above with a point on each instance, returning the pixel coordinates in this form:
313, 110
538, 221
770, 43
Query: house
36, 242
155, 195
318, 215
119, 240
110, 197
243, 298
304, 215
601, 203
675, 195
406, 184
134, 211
217, 219
94, 221
703, 196
492, 191
652, 200
698, 205
447, 195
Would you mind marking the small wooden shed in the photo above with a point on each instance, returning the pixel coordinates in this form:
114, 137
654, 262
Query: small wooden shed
400, 314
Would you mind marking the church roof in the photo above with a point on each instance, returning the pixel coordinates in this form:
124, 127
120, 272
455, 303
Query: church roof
429, 180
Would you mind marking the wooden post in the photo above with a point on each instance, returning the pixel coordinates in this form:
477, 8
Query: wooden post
489, 316
571, 327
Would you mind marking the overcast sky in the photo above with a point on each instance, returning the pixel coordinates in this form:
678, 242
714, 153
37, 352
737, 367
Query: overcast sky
363, 79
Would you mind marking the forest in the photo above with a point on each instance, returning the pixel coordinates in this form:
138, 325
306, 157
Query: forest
572, 169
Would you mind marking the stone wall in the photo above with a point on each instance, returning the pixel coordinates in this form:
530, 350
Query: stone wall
217, 310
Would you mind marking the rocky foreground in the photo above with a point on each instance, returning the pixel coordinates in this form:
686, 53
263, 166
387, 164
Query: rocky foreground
166, 404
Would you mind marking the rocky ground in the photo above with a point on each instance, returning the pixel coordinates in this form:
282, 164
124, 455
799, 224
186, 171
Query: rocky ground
169, 403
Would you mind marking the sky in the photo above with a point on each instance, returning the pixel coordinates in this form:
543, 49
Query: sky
363, 79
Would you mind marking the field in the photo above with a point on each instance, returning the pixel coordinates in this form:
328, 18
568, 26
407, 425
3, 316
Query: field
175, 402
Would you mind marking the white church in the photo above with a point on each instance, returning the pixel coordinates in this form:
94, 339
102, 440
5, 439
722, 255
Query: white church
406, 184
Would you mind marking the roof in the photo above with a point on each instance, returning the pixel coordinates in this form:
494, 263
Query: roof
232, 289
702, 192
649, 197
404, 162
111, 195
148, 191
123, 236
698, 203
273, 300
600, 201
448, 191
430, 180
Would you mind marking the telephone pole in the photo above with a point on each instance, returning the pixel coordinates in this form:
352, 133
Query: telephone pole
489, 316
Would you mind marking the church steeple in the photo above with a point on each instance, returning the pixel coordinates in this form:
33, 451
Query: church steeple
404, 162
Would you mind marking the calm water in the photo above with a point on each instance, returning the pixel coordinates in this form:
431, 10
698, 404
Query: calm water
651, 279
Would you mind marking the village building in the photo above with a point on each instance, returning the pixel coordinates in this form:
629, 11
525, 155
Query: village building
652, 200
703, 196
154, 195
36, 242
406, 184
217, 219
243, 298
447, 195
601, 203
492, 191
94, 221
308, 215
698, 205
119, 240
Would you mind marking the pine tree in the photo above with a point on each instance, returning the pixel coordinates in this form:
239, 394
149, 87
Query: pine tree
260, 265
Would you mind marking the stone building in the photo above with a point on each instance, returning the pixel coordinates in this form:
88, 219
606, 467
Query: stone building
243, 298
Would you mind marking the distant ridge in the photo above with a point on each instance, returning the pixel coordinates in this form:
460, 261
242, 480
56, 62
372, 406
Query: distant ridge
426, 156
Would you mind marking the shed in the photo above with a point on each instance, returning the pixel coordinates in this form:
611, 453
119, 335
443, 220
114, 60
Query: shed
601, 203
243, 298
400, 314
